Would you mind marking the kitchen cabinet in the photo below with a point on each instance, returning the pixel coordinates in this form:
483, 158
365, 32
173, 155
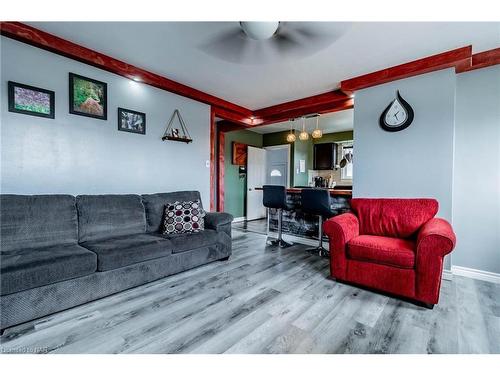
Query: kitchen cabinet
325, 156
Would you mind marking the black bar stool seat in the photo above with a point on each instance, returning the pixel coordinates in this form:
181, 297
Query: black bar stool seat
317, 202
275, 197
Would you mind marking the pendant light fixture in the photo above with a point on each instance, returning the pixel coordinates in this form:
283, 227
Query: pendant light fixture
290, 137
317, 133
303, 136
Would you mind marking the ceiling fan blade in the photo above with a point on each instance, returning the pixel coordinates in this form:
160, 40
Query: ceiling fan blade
230, 45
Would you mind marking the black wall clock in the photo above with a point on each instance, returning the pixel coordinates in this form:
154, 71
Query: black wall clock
397, 116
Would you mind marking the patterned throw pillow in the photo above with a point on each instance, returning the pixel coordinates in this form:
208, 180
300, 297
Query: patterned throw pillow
183, 217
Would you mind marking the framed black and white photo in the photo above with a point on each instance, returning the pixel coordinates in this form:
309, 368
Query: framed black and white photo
131, 121
30, 100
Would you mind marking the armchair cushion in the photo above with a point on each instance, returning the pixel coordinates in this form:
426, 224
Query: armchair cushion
400, 218
394, 252
214, 220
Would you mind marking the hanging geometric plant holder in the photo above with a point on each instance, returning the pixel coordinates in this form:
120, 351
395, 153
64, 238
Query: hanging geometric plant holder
177, 134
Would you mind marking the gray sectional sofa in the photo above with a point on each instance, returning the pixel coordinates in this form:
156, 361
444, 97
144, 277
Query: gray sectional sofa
60, 251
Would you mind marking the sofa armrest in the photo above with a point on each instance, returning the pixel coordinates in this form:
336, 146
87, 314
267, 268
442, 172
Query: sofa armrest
435, 239
340, 230
437, 234
214, 220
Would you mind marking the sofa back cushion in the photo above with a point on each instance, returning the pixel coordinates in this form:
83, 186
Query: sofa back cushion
32, 221
400, 218
155, 206
106, 216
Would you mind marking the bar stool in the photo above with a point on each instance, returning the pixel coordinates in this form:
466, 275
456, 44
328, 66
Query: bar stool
275, 197
317, 202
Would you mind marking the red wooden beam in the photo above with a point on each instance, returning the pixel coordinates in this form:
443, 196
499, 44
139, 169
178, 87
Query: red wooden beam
220, 169
321, 108
453, 58
238, 118
41, 39
482, 60
304, 103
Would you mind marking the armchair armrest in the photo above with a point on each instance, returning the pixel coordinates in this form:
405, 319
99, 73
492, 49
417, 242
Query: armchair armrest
435, 239
214, 220
437, 234
340, 230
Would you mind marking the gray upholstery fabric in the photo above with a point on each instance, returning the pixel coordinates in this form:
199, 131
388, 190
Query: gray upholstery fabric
122, 251
155, 206
107, 216
36, 221
187, 241
214, 220
37, 302
30, 268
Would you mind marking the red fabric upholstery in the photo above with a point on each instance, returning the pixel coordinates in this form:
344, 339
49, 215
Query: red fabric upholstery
394, 252
389, 217
435, 240
340, 230
393, 245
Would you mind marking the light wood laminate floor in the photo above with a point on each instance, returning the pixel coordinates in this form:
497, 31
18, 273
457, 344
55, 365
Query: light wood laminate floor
265, 300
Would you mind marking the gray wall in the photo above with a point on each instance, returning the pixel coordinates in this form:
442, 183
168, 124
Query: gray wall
476, 200
74, 154
418, 161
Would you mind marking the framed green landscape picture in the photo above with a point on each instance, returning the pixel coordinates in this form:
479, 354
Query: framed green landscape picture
30, 100
88, 97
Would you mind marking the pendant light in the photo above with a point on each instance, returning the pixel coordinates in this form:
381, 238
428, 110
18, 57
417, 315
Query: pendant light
303, 136
317, 133
290, 137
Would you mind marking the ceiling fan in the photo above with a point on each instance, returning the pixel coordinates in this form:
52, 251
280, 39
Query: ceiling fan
255, 42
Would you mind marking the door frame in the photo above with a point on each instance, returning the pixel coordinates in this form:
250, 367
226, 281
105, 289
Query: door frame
289, 169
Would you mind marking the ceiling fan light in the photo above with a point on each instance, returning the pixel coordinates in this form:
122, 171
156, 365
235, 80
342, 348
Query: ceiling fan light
317, 133
259, 30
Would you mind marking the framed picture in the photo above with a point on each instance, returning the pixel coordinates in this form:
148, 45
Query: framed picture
131, 121
239, 154
31, 100
88, 97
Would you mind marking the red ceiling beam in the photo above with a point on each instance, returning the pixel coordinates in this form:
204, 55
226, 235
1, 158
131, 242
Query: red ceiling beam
481, 60
41, 39
457, 57
321, 108
304, 103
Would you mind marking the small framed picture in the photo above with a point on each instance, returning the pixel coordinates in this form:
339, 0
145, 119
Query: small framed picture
131, 121
88, 97
31, 100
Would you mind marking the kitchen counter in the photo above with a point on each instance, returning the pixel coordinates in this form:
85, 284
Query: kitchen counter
333, 192
299, 224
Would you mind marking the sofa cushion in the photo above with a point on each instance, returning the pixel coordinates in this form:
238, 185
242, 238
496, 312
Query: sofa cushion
183, 217
399, 218
394, 252
189, 241
155, 206
108, 216
32, 221
122, 251
30, 268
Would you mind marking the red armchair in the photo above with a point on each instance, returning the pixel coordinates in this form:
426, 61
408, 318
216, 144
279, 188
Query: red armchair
393, 245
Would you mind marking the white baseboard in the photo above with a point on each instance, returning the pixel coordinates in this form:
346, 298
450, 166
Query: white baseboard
476, 274
447, 275
239, 219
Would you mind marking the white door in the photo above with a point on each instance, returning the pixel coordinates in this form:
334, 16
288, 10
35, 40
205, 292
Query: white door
277, 167
256, 177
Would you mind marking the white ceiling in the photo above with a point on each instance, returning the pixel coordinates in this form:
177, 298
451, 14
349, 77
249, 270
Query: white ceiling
181, 51
329, 123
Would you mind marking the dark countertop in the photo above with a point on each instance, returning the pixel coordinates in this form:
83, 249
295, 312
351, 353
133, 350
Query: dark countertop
333, 192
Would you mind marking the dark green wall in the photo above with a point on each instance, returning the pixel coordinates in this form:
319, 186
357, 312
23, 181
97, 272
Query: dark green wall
235, 187
336, 137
